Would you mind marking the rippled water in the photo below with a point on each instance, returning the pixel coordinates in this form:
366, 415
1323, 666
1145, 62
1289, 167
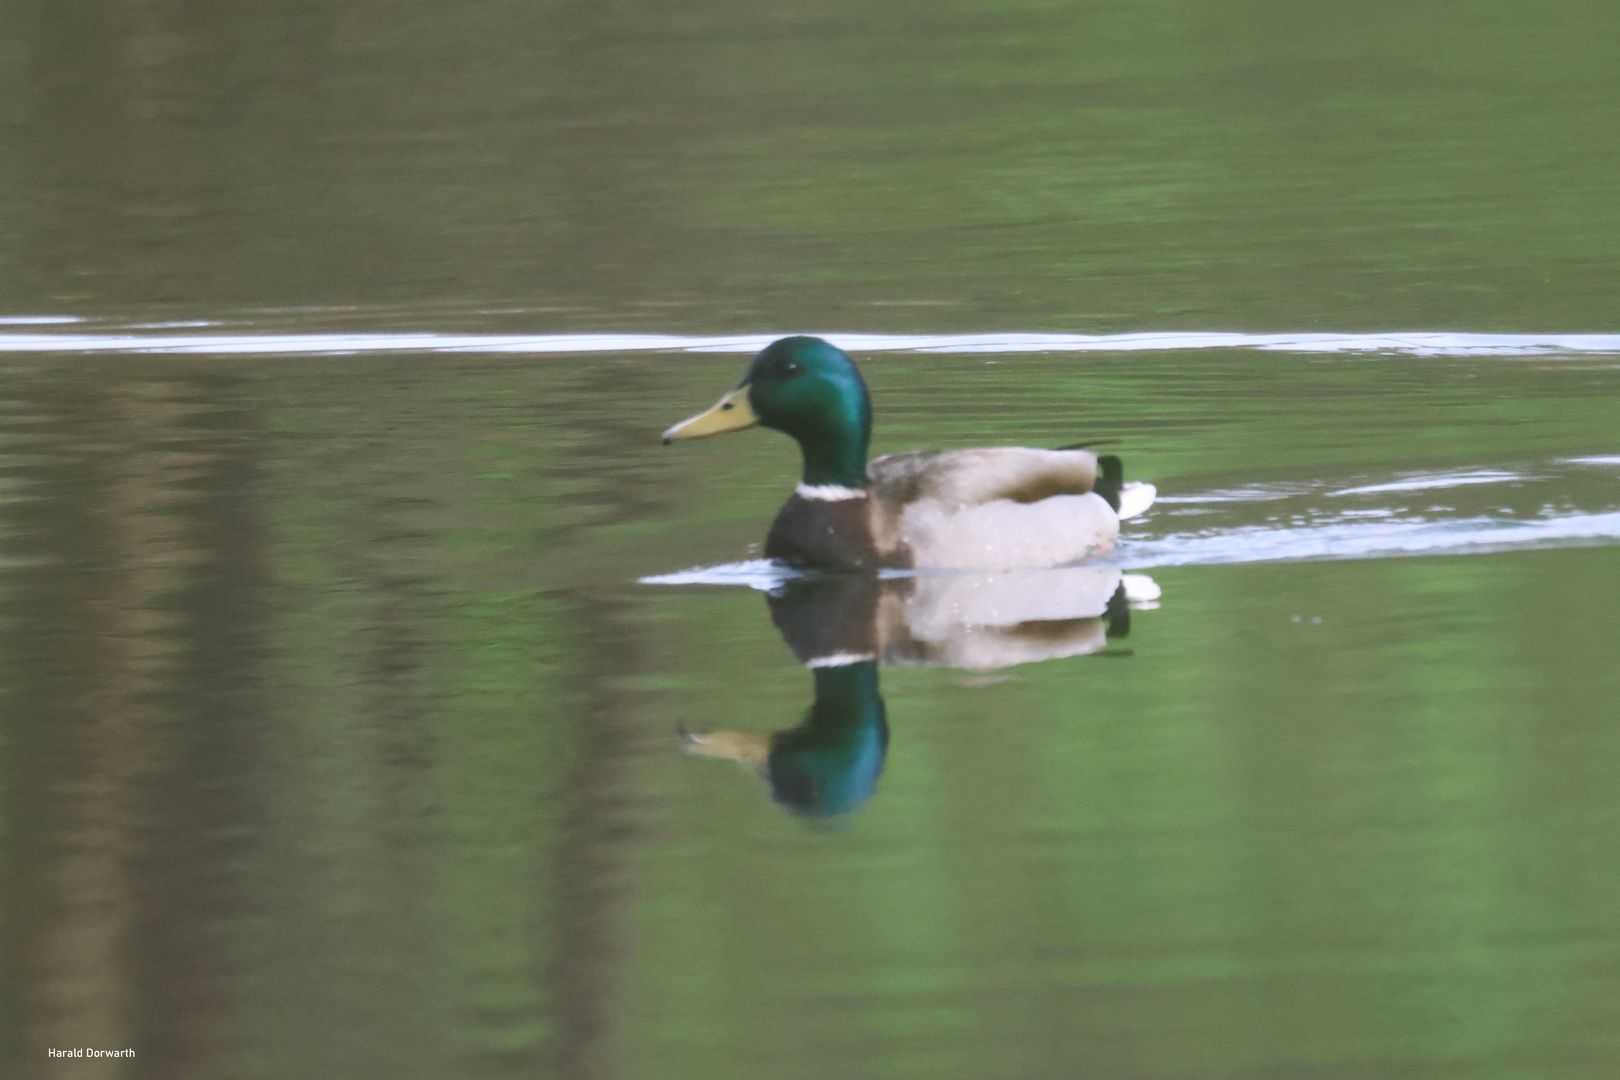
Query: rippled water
1297, 527
349, 695
382, 699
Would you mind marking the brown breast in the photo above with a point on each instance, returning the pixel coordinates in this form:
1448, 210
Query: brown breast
813, 532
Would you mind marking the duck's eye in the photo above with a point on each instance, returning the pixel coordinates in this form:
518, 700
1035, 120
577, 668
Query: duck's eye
792, 367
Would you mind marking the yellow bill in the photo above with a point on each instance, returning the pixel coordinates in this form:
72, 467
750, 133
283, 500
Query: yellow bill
730, 413
750, 748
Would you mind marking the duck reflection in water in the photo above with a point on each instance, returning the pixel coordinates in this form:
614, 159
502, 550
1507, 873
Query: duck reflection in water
843, 626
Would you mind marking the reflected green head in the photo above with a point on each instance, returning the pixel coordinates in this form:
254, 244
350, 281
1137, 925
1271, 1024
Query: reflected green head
809, 389
829, 765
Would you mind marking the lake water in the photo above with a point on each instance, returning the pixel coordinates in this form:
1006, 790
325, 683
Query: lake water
371, 670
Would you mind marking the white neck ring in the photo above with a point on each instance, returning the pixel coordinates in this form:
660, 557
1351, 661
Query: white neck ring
828, 492
840, 659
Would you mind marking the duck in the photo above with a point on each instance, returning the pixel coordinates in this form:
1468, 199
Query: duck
976, 622
845, 627
829, 765
977, 508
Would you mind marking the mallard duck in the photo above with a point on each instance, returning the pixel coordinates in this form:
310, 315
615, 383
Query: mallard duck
989, 508
843, 626
972, 621
829, 765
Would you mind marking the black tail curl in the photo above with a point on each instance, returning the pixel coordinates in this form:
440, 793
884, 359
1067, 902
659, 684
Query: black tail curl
1110, 478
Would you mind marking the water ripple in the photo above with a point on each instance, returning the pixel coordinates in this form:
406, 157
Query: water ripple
1367, 539
1357, 539
1432, 481
1306, 529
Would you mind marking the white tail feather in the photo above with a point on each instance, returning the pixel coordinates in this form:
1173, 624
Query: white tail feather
1135, 498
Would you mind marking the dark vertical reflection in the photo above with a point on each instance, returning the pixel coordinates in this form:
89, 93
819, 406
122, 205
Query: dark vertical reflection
134, 600
342, 966
189, 893
341, 962
591, 881
591, 869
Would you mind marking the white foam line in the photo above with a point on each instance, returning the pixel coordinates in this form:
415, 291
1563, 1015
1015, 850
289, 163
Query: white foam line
1422, 344
1367, 540
1436, 480
1259, 544
1254, 494
762, 574
1613, 459
187, 325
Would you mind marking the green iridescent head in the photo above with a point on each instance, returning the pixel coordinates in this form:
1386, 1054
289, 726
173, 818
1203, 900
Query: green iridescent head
827, 767
809, 389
